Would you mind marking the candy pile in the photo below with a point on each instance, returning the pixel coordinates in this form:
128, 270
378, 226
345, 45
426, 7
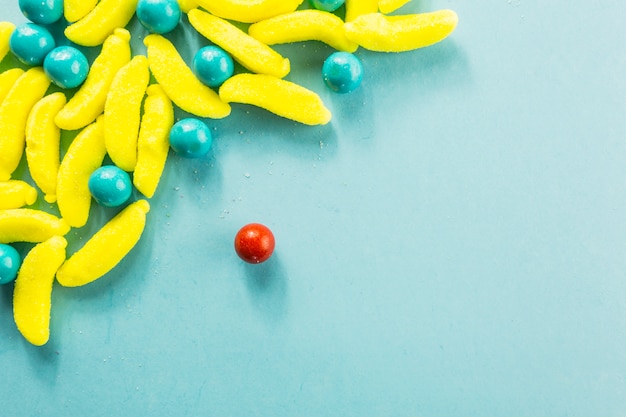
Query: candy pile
116, 112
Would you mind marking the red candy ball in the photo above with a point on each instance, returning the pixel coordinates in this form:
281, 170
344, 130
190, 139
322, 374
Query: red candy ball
254, 243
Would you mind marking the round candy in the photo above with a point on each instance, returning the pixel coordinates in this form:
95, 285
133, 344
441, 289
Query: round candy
10, 262
191, 138
213, 65
110, 186
30, 43
43, 12
254, 243
342, 72
66, 66
158, 16
327, 5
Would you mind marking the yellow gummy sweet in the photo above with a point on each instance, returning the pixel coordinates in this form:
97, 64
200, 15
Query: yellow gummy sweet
180, 83
43, 144
101, 22
15, 194
153, 143
389, 6
6, 30
276, 95
381, 33
106, 248
303, 25
356, 8
122, 112
82, 158
249, 52
186, 5
14, 110
32, 295
28, 225
74, 10
7, 79
88, 102
249, 11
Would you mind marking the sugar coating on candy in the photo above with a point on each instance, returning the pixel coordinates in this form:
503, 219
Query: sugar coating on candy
390, 6
16, 194
43, 138
101, 22
74, 10
278, 96
6, 29
303, 25
401, 33
249, 52
29, 225
248, 11
356, 8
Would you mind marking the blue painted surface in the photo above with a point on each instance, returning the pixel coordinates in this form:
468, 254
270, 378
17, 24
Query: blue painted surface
451, 244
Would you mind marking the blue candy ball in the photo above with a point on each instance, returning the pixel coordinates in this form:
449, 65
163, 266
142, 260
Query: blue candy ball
213, 65
342, 72
10, 262
110, 186
43, 12
191, 138
66, 66
327, 5
30, 43
158, 16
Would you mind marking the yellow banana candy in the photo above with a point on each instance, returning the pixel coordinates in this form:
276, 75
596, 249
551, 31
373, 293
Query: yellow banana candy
180, 83
32, 295
6, 30
303, 25
15, 194
381, 33
249, 11
389, 6
276, 95
101, 22
106, 248
88, 102
14, 110
43, 144
186, 5
249, 52
122, 111
356, 8
7, 79
153, 143
28, 225
74, 10
82, 158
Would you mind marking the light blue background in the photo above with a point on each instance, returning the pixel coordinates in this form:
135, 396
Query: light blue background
452, 244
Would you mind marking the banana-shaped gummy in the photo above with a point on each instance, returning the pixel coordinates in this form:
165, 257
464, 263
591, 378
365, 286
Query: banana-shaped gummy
389, 6
303, 25
356, 8
153, 142
14, 110
249, 52
101, 22
381, 33
279, 96
88, 102
106, 248
28, 225
180, 83
32, 294
6, 30
248, 11
7, 79
74, 10
15, 194
43, 144
122, 111
186, 5
82, 158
